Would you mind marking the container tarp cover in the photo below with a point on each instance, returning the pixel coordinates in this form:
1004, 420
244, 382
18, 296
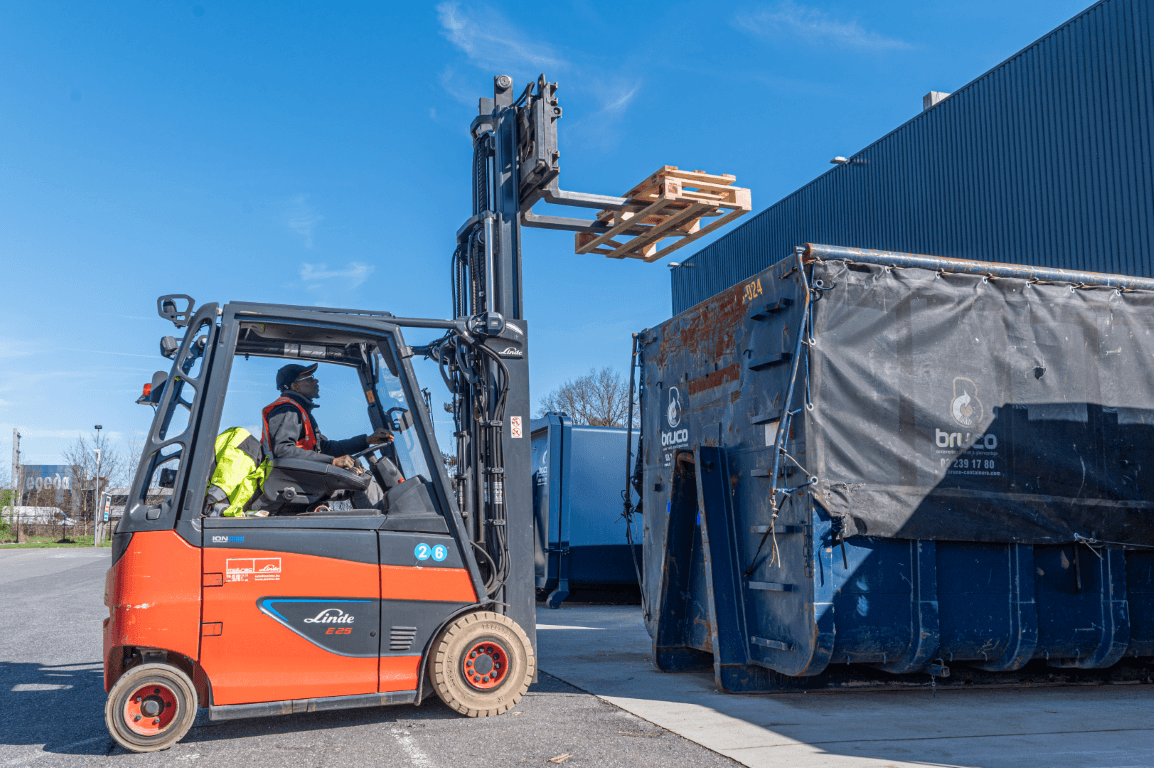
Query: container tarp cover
954, 407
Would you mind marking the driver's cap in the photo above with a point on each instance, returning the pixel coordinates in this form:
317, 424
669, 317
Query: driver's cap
291, 372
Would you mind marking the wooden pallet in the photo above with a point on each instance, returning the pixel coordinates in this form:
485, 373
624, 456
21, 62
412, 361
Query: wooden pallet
669, 204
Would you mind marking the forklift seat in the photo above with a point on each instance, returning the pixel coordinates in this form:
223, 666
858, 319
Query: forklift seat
294, 485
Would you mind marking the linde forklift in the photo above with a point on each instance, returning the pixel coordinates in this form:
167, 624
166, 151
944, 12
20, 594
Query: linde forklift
320, 606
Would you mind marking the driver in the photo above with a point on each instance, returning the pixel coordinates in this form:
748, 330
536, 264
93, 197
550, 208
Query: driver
291, 432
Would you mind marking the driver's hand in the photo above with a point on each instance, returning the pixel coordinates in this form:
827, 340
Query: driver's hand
381, 436
344, 462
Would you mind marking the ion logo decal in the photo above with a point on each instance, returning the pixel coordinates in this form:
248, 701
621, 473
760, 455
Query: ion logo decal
228, 539
252, 569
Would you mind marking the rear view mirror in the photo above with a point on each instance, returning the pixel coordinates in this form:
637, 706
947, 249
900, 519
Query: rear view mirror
167, 478
169, 347
176, 308
402, 421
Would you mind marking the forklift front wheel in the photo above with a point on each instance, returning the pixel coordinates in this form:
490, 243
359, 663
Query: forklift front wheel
482, 664
150, 708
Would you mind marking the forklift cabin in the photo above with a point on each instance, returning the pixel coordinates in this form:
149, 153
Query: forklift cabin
318, 605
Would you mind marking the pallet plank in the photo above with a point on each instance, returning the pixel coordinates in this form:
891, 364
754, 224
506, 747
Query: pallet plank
669, 205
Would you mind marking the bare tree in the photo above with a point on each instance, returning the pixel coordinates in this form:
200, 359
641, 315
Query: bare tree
599, 399
81, 459
7, 488
130, 457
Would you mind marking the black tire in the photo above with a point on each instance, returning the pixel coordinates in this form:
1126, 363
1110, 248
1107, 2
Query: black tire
150, 708
482, 664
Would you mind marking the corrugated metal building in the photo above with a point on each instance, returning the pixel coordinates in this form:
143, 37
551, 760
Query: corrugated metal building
1046, 159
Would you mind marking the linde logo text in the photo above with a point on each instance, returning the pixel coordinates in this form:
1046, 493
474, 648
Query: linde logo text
331, 616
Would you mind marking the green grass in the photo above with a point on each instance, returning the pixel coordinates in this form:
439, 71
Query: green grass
52, 542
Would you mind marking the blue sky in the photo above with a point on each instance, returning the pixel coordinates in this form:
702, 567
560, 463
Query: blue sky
317, 153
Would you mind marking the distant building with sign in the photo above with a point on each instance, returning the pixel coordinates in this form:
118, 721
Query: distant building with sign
39, 477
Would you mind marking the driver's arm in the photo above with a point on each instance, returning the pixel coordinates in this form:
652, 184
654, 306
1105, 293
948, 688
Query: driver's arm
382, 435
342, 447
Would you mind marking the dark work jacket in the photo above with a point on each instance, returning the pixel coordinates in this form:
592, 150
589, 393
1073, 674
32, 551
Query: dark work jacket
285, 429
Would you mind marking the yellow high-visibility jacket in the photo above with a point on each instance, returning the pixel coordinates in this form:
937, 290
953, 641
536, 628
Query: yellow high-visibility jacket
240, 471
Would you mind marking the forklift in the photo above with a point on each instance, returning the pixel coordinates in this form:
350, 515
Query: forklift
316, 605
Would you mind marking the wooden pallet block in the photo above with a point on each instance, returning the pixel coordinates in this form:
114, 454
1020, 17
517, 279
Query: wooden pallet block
671, 203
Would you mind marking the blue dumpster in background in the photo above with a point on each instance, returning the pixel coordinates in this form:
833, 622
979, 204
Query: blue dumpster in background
920, 467
578, 474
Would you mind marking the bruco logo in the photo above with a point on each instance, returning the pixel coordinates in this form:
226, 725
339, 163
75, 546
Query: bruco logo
331, 616
673, 416
673, 410
966, 408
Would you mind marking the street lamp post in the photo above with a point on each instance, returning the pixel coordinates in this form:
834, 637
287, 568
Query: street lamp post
96, 495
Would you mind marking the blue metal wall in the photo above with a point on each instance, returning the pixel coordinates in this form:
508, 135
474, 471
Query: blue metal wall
578, 475
1045, 159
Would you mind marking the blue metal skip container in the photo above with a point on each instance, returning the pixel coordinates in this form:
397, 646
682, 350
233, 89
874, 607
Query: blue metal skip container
908, 464
578, 474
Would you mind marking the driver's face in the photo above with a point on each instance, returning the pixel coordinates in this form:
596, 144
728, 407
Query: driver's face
308, 386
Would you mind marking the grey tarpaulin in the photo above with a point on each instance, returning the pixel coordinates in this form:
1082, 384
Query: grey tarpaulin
955, 407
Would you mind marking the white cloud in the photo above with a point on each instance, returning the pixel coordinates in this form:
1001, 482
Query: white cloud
354, 274
491, 42
60, 434
617, 99
495, 45
110, 352
17, 348
603, 127
789, 19
457, 87
302, 219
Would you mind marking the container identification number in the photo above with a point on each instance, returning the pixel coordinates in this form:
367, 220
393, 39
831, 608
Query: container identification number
752, 291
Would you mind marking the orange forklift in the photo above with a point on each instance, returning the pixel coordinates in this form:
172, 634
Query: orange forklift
317, 604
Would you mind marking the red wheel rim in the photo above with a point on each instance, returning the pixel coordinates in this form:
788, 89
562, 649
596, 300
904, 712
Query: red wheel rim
485, 665
150, 709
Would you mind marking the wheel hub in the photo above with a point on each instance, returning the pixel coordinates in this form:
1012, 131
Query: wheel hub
150, 709
485, 665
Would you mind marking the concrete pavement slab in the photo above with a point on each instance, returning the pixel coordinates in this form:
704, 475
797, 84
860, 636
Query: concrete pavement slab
606, 651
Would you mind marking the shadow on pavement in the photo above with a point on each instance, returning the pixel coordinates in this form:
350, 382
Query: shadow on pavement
62, 708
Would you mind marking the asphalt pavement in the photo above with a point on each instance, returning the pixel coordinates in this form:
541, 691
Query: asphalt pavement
52, 703
622, 712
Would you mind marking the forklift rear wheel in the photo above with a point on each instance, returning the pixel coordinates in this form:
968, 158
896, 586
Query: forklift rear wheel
150, 708
482, 664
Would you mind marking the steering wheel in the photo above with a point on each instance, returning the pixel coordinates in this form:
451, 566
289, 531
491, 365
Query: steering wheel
367, 451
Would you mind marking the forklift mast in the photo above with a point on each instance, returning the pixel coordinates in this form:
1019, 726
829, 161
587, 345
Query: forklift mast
515, 165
